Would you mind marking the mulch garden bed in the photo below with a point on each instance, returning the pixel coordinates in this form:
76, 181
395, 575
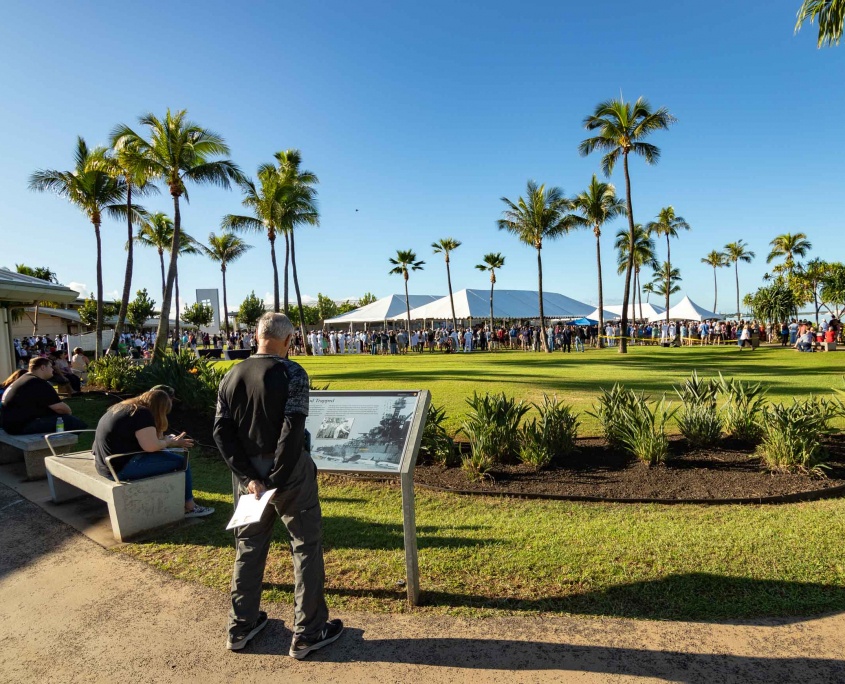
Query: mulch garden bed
730, 472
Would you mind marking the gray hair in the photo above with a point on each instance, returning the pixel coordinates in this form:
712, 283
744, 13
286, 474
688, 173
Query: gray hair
275, 326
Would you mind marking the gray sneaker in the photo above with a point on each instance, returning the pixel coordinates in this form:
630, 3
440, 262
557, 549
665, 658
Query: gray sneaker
199, 511
236, 643
301, 647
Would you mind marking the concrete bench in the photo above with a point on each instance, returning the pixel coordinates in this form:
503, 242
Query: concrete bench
829, 346
134, 507
33, 449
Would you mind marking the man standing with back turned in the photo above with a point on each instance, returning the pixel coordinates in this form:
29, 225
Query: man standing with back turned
260, 431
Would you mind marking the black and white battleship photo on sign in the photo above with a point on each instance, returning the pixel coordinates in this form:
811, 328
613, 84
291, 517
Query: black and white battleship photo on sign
360, 431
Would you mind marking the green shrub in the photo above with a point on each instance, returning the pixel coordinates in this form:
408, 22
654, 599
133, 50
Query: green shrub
559, 426
194, 380
792, 435
642, 430
743, 409
534, 447
113, 373
699, 421
482, 442
499, 416
609, 411
437, 445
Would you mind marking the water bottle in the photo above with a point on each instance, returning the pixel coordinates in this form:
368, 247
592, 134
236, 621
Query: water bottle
60, 424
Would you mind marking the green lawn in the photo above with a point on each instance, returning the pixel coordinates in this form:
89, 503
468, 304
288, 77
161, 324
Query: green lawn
575, 378
482, 556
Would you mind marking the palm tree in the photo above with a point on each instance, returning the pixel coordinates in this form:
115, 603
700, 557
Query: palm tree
831, 16
264, 200
594, 207
736, 252
543, 215
128, 164
809, 279
224, 249
93, 190
492, 261
42, 273
447, 245
645, 252
789, 246
664, 280
621, 128
668, 224
178, 151
156, 231
649, 290
405, 260
297, 205
716, 259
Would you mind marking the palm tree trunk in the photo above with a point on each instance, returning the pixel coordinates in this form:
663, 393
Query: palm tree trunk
451, 299
298, 295
35, 322
287, 259
161, 260
492, 283
127, 278
596, 230
668, 276
408, 306
164, 320
176, 301
272, 237
623, 342
544, 343
715, 290
640, 294
736, 272
98, 328
225, 303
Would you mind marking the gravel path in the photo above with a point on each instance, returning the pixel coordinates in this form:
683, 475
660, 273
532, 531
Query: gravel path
71, 611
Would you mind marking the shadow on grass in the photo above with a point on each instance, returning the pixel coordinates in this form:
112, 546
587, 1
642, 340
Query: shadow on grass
695, 597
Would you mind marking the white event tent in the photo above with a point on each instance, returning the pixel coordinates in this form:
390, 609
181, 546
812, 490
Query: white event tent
506, 304
385, 309
687, 310
614, 311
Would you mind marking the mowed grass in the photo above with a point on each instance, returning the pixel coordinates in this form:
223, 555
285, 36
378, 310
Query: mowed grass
488, 556
576, 378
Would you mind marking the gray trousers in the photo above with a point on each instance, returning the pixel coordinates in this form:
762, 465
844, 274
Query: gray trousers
298, 506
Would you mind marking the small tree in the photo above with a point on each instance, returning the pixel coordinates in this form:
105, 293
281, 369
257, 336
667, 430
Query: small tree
346, 307
251, 310
310, 315
368, 298
140, 309
198, 314
325, 306
88, 312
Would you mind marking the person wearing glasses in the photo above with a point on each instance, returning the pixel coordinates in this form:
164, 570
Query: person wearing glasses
32, 406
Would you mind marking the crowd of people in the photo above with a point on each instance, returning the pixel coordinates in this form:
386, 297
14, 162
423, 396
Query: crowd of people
561, 336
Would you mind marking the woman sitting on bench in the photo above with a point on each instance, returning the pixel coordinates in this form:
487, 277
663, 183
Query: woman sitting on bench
135, 429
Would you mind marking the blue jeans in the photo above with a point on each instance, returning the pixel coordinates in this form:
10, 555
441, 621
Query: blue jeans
154, 463
47, 424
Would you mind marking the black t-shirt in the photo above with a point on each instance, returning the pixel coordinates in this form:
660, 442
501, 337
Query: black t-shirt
116, 435
27, 398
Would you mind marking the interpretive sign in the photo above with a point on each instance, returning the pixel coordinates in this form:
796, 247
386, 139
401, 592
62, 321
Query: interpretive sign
373, 433
362, 432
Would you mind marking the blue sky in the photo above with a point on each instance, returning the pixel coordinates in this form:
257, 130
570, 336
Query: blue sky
420, 117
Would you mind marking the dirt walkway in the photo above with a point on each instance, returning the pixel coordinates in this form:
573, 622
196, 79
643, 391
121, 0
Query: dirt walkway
72, 611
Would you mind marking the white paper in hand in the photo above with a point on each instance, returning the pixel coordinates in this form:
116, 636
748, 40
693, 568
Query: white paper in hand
250, 509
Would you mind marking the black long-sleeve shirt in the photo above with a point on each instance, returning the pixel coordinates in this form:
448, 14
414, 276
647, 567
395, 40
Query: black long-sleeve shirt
262, 404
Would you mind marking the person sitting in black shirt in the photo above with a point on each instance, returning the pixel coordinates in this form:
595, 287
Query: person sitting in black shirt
31, 405
134, 429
